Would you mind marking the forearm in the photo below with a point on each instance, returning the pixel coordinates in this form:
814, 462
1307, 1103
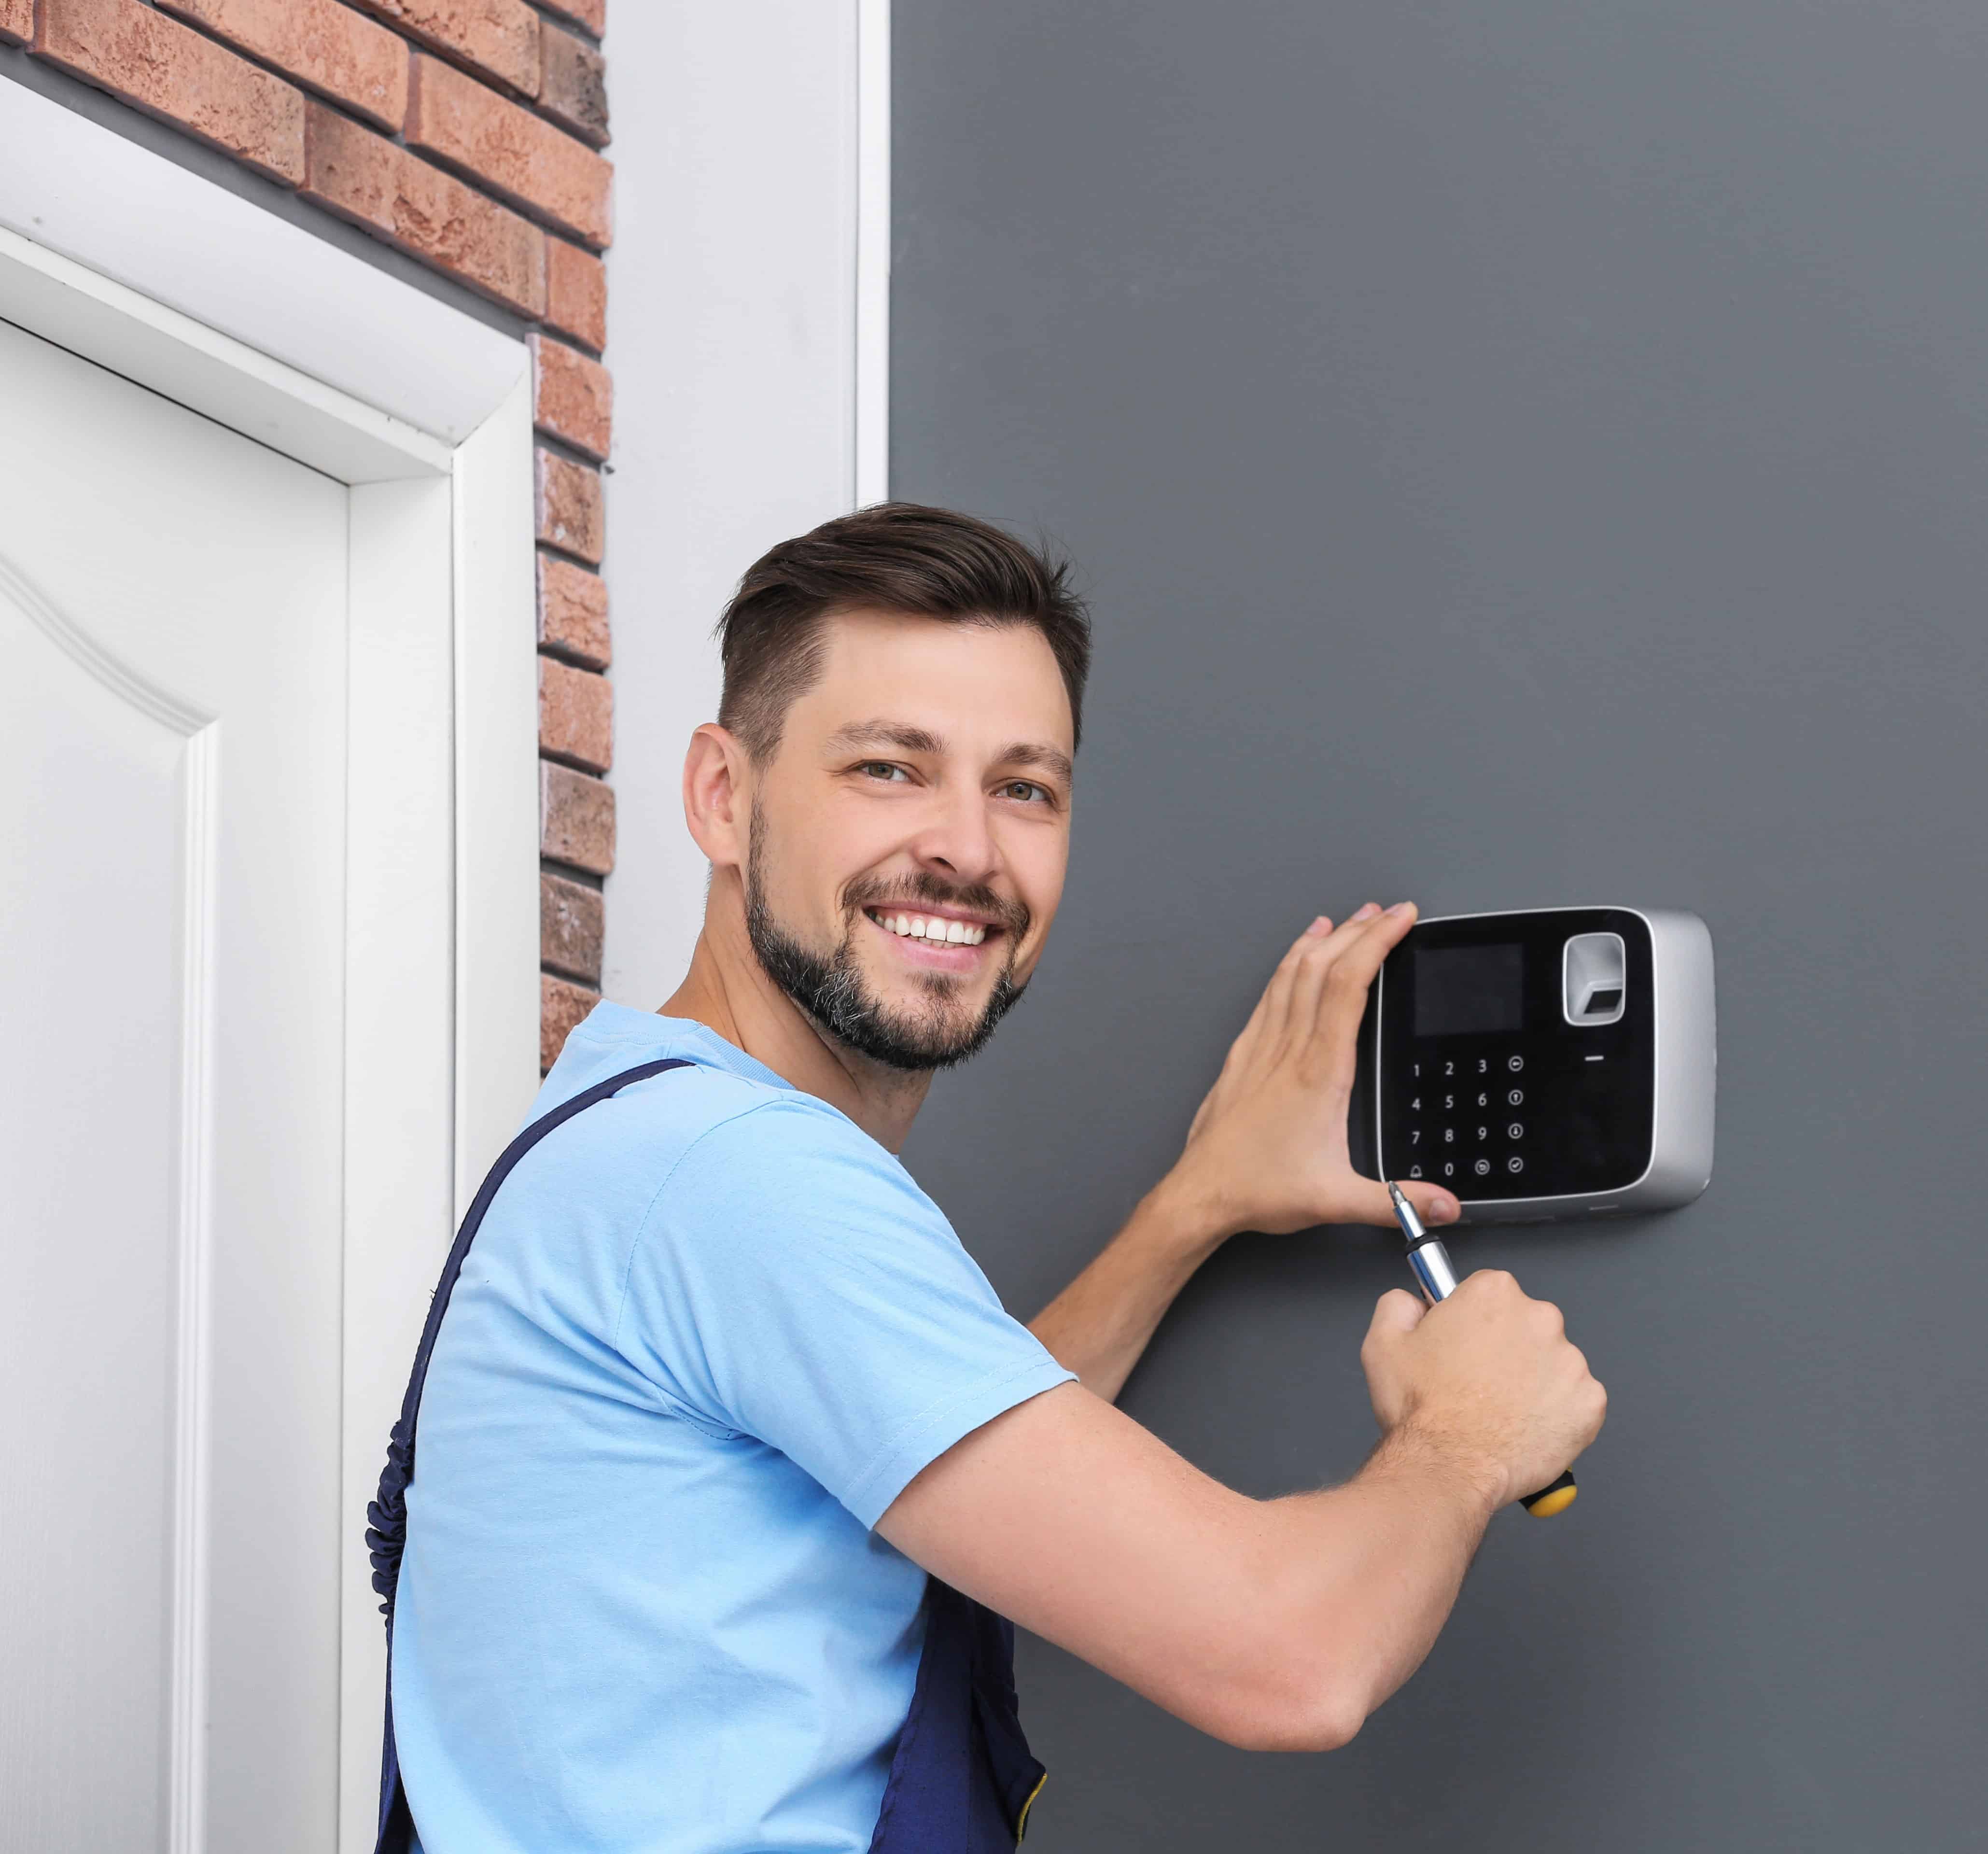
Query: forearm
1364, 1575
1273, 1625
1100, 1324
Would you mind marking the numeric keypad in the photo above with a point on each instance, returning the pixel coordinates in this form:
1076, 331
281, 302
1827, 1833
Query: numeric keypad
1450, 1127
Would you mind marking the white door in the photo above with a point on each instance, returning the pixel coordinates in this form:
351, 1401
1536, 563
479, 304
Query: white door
173, 624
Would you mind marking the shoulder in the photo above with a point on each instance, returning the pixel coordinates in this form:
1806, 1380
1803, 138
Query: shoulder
611, 1159
701, 1141
787, 1151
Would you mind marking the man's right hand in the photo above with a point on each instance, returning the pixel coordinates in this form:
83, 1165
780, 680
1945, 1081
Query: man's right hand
1487, 1378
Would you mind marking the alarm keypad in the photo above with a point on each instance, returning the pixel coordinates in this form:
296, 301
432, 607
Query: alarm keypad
1505, 1099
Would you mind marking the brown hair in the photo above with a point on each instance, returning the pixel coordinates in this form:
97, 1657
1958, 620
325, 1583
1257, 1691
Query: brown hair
891, 557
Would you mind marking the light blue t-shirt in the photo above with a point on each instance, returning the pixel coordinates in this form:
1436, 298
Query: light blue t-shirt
708, 1331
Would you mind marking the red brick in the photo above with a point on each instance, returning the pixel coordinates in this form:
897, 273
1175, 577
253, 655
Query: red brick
576, 293
572, 611
571, 923
576, 715
571, 516
572, 397
385, 189
572, 88
562, 1004
592, 14
170, 71
498, 36
17, 22
576, 819
509, 150
326, 47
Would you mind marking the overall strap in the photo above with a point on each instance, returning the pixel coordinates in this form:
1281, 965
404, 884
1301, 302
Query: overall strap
386, 1518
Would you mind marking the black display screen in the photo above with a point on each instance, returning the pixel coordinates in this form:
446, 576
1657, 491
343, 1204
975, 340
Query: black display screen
1462, 991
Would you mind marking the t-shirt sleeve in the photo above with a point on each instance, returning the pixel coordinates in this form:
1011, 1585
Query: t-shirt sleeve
791, 1283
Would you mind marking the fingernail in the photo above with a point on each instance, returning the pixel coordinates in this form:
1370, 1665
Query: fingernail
1443, 1209
1368, 911
1401, 907
1322, 924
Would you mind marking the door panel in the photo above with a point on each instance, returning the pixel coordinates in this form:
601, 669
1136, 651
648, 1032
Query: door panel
172, 764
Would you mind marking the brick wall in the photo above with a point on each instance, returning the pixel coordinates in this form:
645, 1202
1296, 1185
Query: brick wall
466, 133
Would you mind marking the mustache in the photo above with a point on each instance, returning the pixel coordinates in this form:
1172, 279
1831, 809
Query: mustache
875, 891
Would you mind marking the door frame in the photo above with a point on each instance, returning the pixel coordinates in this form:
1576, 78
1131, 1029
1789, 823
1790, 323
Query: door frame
155, 272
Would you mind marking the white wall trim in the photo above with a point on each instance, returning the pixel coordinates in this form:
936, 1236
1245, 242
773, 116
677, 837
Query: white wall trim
748, 325
496, 813
872, 468
115, 253
130, 215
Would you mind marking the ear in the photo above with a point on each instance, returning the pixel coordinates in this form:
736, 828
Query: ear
717, 794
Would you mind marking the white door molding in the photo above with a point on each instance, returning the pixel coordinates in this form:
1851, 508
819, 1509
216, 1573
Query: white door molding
158, 274
76, 187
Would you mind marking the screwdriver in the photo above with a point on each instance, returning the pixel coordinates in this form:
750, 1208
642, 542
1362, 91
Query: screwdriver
1430, 1261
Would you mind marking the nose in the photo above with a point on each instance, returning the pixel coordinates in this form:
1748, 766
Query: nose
956, 841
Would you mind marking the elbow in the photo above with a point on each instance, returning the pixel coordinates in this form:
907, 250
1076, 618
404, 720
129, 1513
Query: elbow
1290, 1704
1324, 1726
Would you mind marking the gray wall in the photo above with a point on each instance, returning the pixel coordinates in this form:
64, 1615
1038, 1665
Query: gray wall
1526, 454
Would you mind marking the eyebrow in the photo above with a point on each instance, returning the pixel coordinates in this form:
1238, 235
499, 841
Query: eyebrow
1049, 759
884, 733
857, 734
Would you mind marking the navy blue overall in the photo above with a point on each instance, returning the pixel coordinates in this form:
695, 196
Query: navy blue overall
962, 1779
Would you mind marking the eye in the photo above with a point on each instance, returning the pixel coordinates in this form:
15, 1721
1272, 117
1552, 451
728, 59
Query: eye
882, 770
1025, 791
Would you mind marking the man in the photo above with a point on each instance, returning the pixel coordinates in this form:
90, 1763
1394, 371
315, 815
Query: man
718, 1386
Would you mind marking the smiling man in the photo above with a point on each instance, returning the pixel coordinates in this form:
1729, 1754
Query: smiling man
730, 1460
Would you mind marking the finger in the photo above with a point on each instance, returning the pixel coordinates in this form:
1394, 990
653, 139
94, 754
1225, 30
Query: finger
1273, 1007
1344, 1001
1489, 1284
1307, 972
1274, 1012
1397, 1314
1312, 959
1361, 957
1332, 944
1326, 955
1307, 983
1371, 1204
1321, 929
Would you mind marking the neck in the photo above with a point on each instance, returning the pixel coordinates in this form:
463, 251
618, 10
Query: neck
727, 990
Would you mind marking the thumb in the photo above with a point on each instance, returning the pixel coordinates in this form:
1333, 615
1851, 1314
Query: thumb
1396, 1314
1433, 1204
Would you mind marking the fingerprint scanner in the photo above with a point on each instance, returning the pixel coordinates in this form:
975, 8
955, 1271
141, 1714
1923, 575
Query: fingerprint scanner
1594, 979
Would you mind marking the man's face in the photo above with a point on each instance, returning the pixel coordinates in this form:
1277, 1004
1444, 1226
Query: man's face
910, 834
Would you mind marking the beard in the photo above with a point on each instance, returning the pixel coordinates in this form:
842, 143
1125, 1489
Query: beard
831, 988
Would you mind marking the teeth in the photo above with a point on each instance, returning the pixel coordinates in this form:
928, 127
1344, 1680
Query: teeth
919, 927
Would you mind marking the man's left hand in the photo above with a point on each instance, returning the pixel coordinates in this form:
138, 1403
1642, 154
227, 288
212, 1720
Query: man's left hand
1267, 1150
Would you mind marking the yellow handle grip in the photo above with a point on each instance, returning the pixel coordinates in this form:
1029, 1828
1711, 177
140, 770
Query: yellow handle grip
1550, 1500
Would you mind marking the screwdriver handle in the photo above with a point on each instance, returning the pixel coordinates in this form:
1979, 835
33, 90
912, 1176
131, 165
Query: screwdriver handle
1555, 1499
